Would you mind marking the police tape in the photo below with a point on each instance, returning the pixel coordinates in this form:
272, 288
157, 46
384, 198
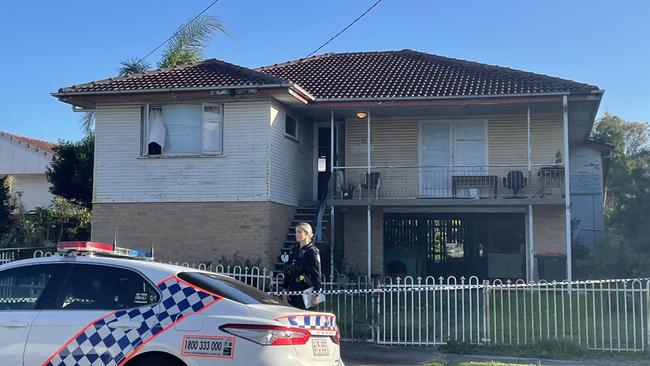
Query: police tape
538, 286
373, 290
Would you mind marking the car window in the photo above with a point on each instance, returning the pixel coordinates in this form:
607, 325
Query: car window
96, 287
228, 288
22, 287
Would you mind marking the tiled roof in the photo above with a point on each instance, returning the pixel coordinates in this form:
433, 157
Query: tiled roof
360, 75
208, 73
39, 144
411, 74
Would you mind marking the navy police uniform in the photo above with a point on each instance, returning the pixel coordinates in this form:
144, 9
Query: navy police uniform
302, 271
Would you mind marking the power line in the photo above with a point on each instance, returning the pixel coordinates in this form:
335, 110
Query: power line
346, 28
178, 31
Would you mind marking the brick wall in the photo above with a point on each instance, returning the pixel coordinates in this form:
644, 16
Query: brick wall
356, 239
548, 229
196, 231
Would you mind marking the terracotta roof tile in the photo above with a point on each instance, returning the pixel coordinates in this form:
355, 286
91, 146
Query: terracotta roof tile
39, 144
208, 73
411, 74
363, 75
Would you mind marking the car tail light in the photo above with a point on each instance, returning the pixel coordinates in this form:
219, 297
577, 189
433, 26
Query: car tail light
337, 338
268, 335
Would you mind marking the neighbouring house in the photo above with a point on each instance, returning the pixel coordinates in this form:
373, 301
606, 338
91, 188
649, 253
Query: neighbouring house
409, 163
25, 160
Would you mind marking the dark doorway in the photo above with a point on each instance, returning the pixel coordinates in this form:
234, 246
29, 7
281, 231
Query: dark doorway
323, 151
483, 245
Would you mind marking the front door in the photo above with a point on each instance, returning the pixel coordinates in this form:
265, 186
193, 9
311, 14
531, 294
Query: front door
435, 158
323, 155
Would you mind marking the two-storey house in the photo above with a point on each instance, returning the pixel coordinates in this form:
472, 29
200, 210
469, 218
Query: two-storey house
424, 165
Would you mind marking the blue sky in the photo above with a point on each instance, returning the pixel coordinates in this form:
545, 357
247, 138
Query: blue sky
50, 44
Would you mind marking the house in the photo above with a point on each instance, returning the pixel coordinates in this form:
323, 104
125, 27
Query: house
425, 165
26, 160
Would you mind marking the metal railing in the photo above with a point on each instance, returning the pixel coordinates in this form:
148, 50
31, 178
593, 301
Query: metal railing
11, 254
477, 182
608, 315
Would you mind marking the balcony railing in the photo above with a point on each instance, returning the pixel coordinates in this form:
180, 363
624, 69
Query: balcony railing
462, 182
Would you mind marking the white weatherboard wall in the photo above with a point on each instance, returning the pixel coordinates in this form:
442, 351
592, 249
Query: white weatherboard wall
27, 165
586, 194
241, 174
290, 160
19, 158
33, 191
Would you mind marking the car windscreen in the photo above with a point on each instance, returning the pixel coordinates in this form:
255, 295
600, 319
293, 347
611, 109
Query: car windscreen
229, 288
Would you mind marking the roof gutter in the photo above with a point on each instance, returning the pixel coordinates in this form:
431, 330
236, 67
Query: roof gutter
169, 90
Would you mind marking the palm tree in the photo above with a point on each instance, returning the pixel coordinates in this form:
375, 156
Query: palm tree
184, 47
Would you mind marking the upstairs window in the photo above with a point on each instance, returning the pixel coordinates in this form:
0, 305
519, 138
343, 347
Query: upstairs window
183, 130
291, 127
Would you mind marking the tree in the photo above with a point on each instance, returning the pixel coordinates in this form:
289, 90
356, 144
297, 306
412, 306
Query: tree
71, 171
185, 47
6, 207
624, 250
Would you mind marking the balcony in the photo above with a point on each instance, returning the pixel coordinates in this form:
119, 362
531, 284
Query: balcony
503, 184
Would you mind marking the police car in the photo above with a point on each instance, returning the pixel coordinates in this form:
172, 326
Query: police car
93, 304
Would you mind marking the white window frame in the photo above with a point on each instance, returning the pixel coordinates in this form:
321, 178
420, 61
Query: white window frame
452, 144
145, 131
203, 122
293, 137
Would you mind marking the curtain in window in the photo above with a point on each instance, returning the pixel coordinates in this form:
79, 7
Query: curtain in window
212, 138
157, 128
183, 125
470, 143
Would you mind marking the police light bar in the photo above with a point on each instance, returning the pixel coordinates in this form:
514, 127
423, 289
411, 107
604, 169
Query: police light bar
91, 247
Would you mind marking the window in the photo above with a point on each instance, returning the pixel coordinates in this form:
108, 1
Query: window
229, 288
183, 130
470, 143
93, 287
291, 126
21, 288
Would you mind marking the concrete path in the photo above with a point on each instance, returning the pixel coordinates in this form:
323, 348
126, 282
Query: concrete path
364, 354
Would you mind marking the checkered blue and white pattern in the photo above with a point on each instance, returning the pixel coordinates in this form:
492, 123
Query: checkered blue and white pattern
315, 322
101, 345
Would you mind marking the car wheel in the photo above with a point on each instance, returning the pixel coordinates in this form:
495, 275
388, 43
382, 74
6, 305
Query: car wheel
158, 361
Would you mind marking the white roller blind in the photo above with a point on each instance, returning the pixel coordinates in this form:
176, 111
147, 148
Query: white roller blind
183, 135
212, 129
469, 144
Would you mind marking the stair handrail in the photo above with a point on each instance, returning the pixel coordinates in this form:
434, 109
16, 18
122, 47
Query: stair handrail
321, 211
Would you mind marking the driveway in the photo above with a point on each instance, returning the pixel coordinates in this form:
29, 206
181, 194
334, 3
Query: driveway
367, 354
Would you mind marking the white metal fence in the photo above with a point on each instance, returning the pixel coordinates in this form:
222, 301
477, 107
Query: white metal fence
609, 315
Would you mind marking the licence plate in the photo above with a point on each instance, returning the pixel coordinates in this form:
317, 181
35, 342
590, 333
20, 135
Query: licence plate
320, 347
208, 346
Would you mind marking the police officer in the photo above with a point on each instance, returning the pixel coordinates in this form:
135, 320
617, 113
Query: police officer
302, 267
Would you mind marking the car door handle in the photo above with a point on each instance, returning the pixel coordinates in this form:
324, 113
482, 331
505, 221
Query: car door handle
15, 324
124, 325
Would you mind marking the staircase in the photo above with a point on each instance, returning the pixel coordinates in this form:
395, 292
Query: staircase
308, 214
